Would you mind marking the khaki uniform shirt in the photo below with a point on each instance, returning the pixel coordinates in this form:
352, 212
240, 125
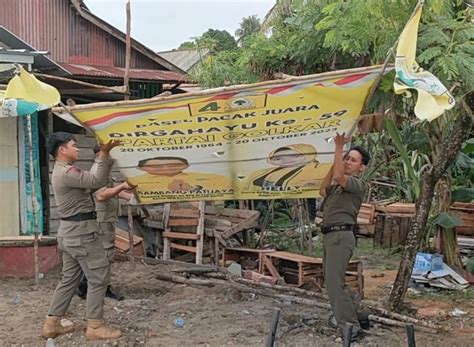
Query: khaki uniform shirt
72, 188
342, 205
107, 211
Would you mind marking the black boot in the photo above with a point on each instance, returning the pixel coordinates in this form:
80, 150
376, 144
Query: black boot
82, 289
113, 294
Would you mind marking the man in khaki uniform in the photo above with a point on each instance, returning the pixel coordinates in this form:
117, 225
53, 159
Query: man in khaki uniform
107, 207
340, 208
82, 250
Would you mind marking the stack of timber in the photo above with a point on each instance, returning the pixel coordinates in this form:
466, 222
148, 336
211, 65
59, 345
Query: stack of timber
366, 219
392, 224
465, 211
122, 243
466, 244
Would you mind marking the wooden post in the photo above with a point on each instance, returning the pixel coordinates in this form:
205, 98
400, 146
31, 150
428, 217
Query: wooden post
166, 241
200, 232
245, 239
273, 327
216, 251
411, 335
130, 235
166, 248
263, 227
127, 53
299, 206
309, 233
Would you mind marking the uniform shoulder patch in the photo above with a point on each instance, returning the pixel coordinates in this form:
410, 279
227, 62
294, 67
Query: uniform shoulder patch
73, 169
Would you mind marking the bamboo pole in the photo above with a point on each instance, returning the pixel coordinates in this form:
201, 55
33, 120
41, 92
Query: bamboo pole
396, 323
309, 78
128, 45
130, 236
119, 90
33, 196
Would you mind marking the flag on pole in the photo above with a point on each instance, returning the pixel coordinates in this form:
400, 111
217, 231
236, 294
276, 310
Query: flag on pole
26, 95
433, 97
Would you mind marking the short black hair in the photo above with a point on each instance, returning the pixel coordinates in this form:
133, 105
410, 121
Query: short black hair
363, 152
142, 162
57, 139
96, 149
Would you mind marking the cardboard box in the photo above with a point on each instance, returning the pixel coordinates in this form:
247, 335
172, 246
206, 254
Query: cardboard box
427, 262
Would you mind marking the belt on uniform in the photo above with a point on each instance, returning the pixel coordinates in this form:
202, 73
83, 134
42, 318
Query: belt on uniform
80, 217
333, 228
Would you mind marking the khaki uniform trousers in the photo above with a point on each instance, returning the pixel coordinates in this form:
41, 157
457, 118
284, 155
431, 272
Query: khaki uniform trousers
82, 254
107, 236
338, 248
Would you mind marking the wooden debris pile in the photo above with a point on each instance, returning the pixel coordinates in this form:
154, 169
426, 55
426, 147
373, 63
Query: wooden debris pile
205, 275
289, 268
199, 229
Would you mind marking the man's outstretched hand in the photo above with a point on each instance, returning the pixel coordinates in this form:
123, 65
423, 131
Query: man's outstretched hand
341, 139
105, 148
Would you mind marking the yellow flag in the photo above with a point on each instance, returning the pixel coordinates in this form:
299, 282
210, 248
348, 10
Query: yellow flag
26, 87
26, 95
433, 97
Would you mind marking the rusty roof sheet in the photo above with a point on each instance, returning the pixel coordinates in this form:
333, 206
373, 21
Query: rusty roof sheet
119, 72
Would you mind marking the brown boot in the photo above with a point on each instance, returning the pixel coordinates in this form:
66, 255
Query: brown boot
96, 330
53, 328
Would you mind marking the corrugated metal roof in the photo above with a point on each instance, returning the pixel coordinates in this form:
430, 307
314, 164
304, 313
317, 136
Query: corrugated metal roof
185, 59
118, 72
72, 34
41, 61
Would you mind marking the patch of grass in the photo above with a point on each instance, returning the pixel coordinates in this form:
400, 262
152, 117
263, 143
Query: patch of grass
375, 256
445, 295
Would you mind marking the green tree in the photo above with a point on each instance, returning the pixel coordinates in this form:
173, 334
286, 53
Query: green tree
317, 36
222, 69
224, 40
187, 45
444, 48
250, 25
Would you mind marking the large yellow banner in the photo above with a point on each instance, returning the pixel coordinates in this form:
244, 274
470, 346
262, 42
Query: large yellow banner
262, 141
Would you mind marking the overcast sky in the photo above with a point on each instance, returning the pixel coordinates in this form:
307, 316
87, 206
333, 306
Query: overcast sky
164, 24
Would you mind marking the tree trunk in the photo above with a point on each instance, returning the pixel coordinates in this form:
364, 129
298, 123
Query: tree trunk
449, 248
423, 206
447, 237
444, 153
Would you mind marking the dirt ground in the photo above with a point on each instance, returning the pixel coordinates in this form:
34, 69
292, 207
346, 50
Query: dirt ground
214, 316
